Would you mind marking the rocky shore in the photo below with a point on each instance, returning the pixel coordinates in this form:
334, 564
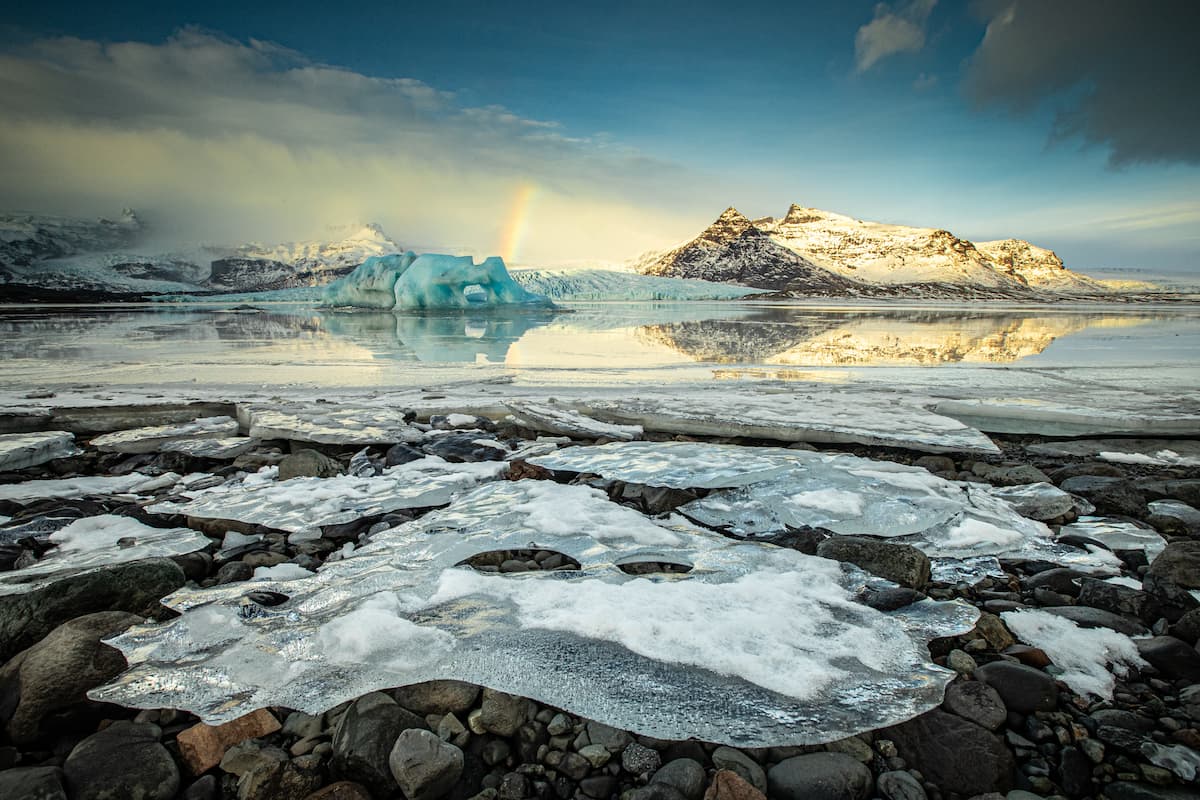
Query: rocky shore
1009, 724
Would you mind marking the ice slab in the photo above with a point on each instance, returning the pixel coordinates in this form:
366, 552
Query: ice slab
1041, 501
133, 483
795, 416
1085, 655
223, 448
1157, 452
784, 654
327, 423
100, 541
1117, 535
151, 440
303, 505
1053, 418
675, 465
551, 417
21, 450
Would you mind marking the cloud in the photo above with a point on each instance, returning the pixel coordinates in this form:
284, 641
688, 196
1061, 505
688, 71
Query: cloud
224, 140
1121, 75
891, 32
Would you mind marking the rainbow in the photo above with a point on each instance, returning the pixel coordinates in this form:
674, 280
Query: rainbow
518, 222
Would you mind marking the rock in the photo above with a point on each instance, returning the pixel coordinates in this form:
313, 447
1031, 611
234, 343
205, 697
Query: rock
459, 447
902, 563
203, 746
993, 630
574, 766
1187, 627
899, 785
639, 760
424, 766
728, 785
936, 464
32, 783
303, 725
1023, 689
57, 671
954, 754
737, 761
1086, 617
1109, 495
134, 587
1179, 563
1173, 600
1124, 790
684, 775
1100, 468
308, 464
274, 777
502, 713
364, 739
854, 747
614, 739
1185, 490
1029, 656
122, 762
1009, 475
1060, 579
438, 697
961, 662
513, 786
1171, 657
342, 790
1074, 772
402, 454
1118, 599
600, 787
234, 571
976, 701
820, 776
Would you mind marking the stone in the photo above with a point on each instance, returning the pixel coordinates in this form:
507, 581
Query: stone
614, 739
425, 767
954, 754
1125, 790
596, 754
276, 778
728, 785
820, 776
1187, 627
1063, 580
961, 662
1185, 490
1022, 689
203, 746
341, 790
363, 741
303, 726
133, 587
308, 464
466, 447
1179, 563
639, 760
1009, 475
1118, 599
1109, 495
993, 630
600, 787
234, 571
401, 454
976, 701
1086, 617
899, 785
1074, 772
683, 774
32, 783
438, 697
901, 563
58, 671
1171, 657
1172, 600
501, 713
737, 761
854, 747
125, 761
936, 464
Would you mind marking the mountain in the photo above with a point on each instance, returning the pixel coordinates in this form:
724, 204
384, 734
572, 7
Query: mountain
810, 252
582, 285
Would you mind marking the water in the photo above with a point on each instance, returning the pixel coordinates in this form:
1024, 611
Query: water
289, 344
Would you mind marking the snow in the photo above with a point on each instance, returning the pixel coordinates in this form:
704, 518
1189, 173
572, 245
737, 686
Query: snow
972, 534
1155, 452
94, 542
553, 417
599, 285
282, 572
153, 439
63, 488
1084, 655
835, 501
430, 281
461, 420
328, 423
398, 611
21, 450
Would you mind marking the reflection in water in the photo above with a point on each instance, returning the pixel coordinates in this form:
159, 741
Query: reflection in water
451, 337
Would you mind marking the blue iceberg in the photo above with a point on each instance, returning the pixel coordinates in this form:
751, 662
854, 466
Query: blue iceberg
430, 282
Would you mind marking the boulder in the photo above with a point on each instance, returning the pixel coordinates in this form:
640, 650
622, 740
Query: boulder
308, 464
954, 754
902, 563
820, 776
425, 767
125, 761
437, 697
976, 701
1179, 563
203, 746
502, 713
728, 785
363, 741
32, 783
684, 775
899, 785
1109, 495
1023, 689
1170, 656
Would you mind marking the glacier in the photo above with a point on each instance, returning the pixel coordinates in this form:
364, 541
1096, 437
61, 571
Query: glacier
404, 609
430, 282
590, 285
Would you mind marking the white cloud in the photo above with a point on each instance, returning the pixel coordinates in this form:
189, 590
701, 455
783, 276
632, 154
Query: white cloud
222, 140
891, 31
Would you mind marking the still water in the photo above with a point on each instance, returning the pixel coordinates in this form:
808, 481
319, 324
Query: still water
639, 342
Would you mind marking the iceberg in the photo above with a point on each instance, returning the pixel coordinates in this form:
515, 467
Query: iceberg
430, 282
786, 654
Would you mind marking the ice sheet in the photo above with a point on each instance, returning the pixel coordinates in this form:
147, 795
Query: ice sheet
1157, 452
676, 465
1117, 535
552, 417
152, 439
134, 482
1075, 415
230, 447
328, 423
21, 450
784, 654
1041, 501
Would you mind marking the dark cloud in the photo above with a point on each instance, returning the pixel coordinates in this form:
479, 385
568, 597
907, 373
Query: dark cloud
1121, 74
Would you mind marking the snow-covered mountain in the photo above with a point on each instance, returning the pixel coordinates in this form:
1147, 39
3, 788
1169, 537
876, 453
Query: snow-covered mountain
810, 252
581, 285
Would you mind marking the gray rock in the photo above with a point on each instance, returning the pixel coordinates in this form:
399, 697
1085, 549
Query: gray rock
1179, 563
438, 697
1187, 627
402, 454
1171, 657
1109, 495
424, 766
364, 739
954, 754
1086, 617
57, 671
1125, 790
303, 726
637, 759
234, 571
902, 563
1173, 601
654, 791
684, 775
745, 766
134, 587
820, 776
459, 447
122, 762
899, 785
1009, 475
1061, 579
1023, 689
614, 739
32, 783
1123, 600
502, 714
273, 776
308, 464
1185, 490
203, 788
976, 701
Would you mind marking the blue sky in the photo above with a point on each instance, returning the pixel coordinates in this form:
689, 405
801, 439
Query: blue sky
637, 122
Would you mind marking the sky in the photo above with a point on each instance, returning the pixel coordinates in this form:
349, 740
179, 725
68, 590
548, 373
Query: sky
551, 132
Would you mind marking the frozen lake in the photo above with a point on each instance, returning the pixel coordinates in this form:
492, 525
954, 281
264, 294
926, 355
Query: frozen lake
611, 343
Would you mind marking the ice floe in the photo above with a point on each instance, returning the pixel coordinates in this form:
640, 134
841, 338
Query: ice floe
153, 439
303, 505
223, 448
1085, 655
99, 541
64, 488
675, 465
1155, 452
784, 655
551, 417
1115, 535
1066, 418
1041, 501
328, 423
21, 450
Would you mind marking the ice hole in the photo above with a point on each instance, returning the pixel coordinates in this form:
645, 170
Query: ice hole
652, 566
474, 293
525, 560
